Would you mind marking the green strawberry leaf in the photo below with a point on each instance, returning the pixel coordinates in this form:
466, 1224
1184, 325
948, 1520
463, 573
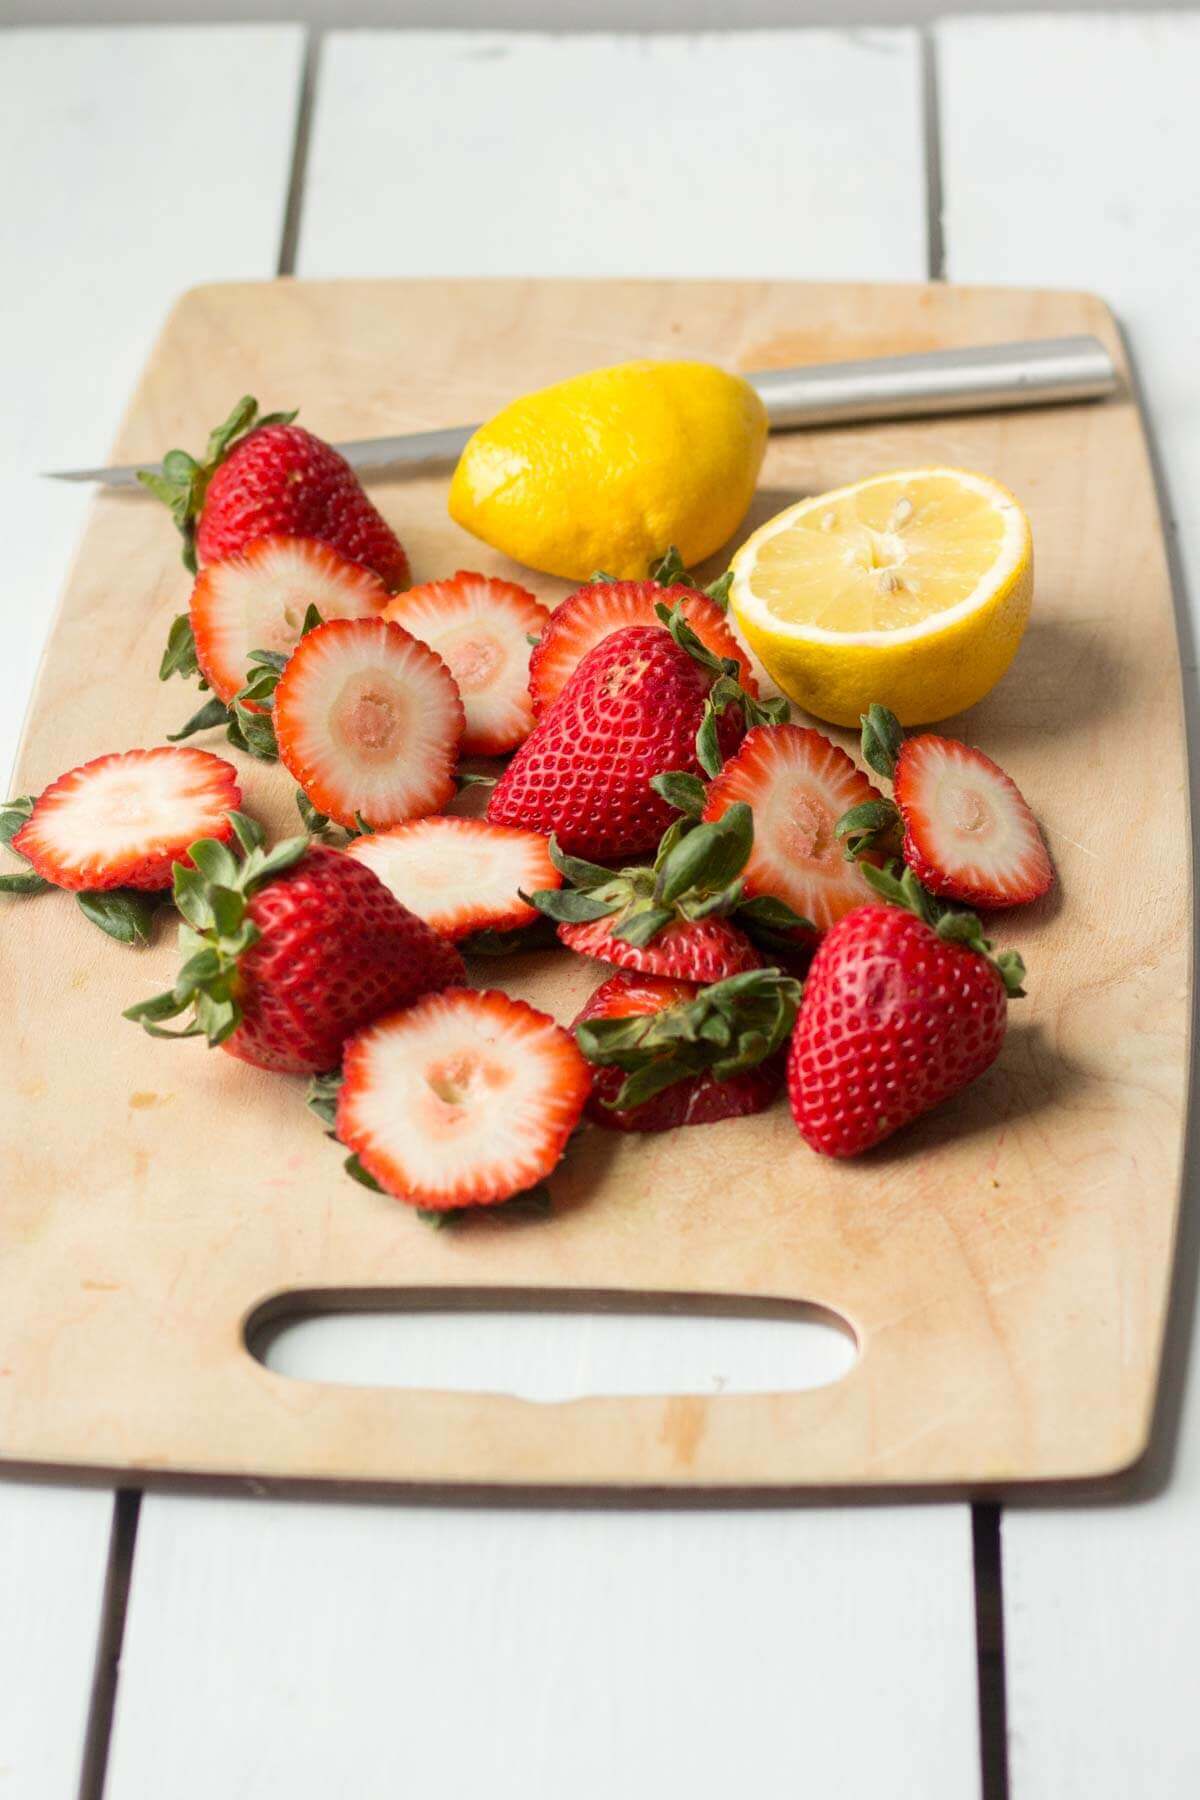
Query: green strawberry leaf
882, 737
686, 793
24, 884
179, 657
213, 712
13, 814
123, 913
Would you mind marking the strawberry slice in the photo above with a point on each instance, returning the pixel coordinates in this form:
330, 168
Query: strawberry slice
368, 721
257, 600
123, 820
700, 950
462, 1099
480, 627
798, 785
595, 612
669, 1053
968, 833
460, 875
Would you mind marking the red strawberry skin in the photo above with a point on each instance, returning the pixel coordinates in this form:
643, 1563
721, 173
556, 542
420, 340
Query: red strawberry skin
630, 711
281, 480
894, 1020
702, 951
593, 612
698, 1100
336, 951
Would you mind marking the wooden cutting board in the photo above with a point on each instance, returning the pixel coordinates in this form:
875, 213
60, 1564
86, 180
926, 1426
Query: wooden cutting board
1004, 1265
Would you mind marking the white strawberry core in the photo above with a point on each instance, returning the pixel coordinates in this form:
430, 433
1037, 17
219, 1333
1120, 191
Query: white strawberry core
806, 831
474, 661
368, 716
968, 810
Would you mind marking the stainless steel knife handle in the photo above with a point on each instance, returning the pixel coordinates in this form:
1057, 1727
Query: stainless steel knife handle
1036, 373
974, 379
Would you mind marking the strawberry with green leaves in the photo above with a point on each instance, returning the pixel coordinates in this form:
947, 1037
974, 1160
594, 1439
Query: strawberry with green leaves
605, 605
288, 951
905, 1004
645, 701
683, 917
669, 1053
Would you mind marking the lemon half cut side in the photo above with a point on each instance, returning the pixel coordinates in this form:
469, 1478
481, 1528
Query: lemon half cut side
912, 589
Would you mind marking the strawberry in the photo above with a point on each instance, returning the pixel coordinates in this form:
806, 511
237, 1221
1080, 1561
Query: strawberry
464, 1099
265, 477
670, 1053
460, 875
290, 950
368, 721
968, 834
799, 785
258, 600
480, 627
903, 1006
124, 820
594, 612
644, 702
670, 918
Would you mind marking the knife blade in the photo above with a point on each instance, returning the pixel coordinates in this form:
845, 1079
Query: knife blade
979, 378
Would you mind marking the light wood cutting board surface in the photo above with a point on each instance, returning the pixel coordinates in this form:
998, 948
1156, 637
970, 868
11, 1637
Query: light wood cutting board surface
1004, 1264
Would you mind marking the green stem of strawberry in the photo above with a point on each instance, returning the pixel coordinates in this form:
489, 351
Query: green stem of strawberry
212, 896
729, 1027
695, 874
951, 924
183, 481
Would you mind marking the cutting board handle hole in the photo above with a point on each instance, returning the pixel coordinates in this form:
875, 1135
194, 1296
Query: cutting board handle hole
548, 1347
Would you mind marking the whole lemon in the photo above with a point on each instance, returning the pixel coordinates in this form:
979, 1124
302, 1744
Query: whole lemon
607, 469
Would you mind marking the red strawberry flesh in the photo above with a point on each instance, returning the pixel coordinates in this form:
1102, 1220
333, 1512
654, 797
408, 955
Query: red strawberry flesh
968, 833
124, 820
698, 951
798, 784
464, 1099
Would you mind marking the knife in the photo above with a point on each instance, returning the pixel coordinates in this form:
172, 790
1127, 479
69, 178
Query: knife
1036, 372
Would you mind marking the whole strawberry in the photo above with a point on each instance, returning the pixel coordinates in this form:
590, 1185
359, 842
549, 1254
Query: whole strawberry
644, 701
899, 1013
265, 477
290, 951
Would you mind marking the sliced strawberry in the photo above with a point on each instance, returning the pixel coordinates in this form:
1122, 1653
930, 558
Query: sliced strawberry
257, 599
461, 875
968, 833
700, 950
798, 785
480, 627
368, 721
462, 1099
702, 1054
122, 820
595, 612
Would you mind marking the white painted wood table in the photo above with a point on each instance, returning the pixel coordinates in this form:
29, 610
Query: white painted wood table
292, 1649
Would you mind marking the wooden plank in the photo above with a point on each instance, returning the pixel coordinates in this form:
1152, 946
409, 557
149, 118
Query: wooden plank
883, 1590
106, 216
774, 153
1088, 181
278, 1651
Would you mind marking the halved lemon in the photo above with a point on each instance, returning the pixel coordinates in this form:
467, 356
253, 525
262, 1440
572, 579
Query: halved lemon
911, 589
